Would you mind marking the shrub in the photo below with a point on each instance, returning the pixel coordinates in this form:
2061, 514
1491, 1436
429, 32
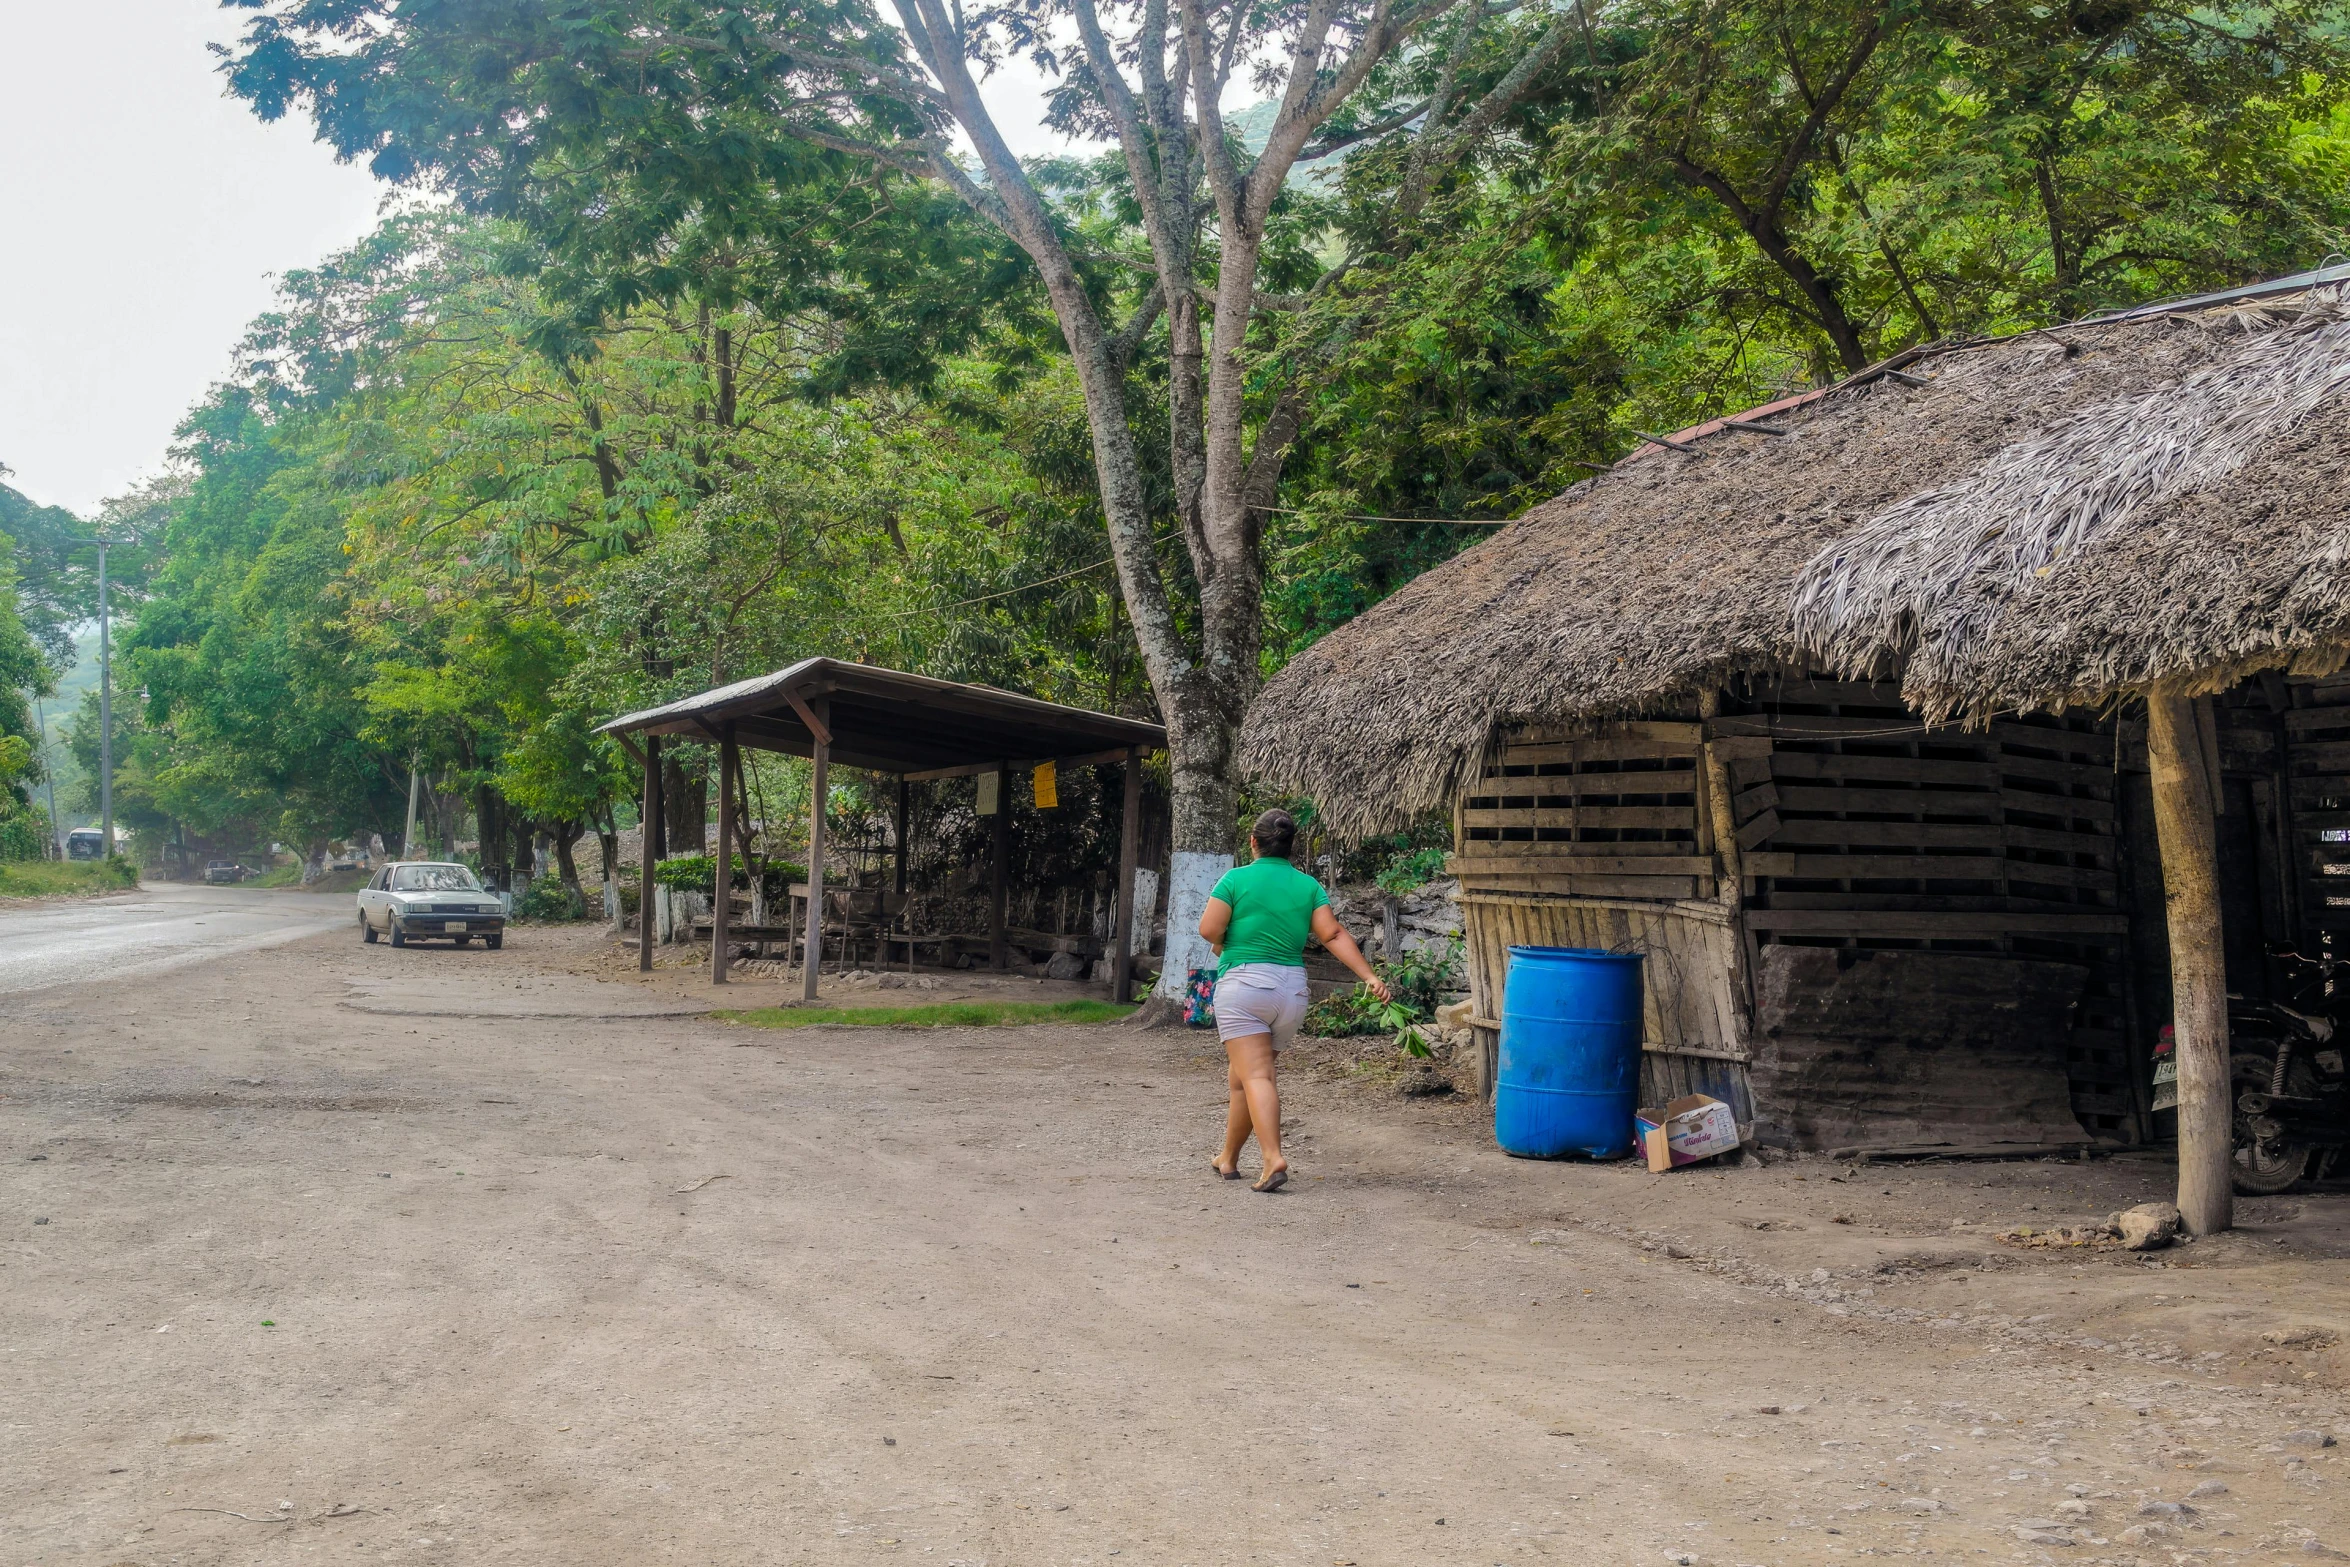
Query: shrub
1407, 869
693, 872
24, 830
1417, 981
550, 899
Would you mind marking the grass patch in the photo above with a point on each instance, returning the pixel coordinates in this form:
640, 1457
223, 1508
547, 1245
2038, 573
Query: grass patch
64, 878
941, 1014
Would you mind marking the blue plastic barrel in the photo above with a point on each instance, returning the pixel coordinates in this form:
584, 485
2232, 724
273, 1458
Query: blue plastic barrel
1569, 1075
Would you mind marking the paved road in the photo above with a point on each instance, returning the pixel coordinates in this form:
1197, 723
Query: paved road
159, 927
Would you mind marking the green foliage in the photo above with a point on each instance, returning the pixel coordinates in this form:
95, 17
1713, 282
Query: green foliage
681, 390
694, 872
1409, 868
550, 900
24, 827
24, 675
944, 1014
35, 878
1416, 984
56, 571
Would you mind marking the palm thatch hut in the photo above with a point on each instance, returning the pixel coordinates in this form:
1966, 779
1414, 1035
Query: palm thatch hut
1877, 716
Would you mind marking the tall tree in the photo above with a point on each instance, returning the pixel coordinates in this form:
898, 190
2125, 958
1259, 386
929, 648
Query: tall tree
715, 111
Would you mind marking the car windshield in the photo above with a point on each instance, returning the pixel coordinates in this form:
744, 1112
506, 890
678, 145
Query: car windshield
434, 878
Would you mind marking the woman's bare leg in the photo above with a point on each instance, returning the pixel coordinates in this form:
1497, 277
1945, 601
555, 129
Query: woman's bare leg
1256, 1096
1237, 1123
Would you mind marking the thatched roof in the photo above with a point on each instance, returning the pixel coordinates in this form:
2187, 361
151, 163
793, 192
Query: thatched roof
2049, 519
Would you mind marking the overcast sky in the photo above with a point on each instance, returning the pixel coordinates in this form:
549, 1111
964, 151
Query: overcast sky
144, 217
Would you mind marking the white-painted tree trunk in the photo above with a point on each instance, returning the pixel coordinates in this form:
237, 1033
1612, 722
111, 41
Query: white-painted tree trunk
1191, 877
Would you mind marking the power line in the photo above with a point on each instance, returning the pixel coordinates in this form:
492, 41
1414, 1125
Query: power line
1041, 582
1079, 571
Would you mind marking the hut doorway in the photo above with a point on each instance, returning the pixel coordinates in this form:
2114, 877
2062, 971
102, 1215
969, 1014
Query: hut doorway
2281, 750
1939, 926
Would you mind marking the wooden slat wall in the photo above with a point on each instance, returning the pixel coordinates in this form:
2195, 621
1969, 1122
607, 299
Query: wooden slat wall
1693, 1020
1609, 814
1596, 839
1862, 828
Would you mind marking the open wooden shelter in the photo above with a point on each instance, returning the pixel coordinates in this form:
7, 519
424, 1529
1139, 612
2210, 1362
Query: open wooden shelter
887, 721
1900, 725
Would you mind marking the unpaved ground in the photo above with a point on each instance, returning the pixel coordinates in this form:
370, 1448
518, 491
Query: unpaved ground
426, 1283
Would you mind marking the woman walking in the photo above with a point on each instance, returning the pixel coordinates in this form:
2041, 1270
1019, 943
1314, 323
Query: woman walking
1258, 918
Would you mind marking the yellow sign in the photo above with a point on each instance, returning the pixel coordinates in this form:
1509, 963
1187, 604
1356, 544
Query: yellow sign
1048, 787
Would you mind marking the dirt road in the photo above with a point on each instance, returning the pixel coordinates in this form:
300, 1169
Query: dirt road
460, 1279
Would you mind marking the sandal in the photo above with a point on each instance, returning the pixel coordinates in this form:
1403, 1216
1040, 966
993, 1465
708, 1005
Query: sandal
1272, 1181
1232, 1174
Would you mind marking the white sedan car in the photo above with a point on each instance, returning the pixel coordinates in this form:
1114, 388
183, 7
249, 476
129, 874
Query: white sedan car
427, 898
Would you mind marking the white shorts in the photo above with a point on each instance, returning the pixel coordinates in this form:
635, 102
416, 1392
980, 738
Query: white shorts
1261, 998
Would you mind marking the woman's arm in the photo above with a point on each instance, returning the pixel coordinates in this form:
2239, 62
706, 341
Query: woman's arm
1214, 922
1340, 945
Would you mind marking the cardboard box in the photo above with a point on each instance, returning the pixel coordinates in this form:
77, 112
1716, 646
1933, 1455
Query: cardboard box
1685, 1131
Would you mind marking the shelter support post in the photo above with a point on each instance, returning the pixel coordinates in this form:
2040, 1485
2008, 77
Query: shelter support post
905, 852
1719, 819
730, 761
2184, 790
999, 855
820, 786
1129, 851
648, 850
905, 794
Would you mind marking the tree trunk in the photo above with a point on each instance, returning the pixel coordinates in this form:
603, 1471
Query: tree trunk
2183, 810
608, 840
525, 851
566, 834
685, 800
489, 822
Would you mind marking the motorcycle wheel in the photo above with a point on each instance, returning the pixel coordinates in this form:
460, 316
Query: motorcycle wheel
2264, 1169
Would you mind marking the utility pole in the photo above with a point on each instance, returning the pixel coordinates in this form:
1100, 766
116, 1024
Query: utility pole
105, 714
49, 777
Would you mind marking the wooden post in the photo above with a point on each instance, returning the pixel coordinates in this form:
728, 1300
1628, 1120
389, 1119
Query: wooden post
905, 801
999, 856
2183, 825
730, 760
819, 787
905, 849
1129, 852
1718, 820
648, 850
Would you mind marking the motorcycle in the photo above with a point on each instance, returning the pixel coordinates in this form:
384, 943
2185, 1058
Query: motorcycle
2292, 1095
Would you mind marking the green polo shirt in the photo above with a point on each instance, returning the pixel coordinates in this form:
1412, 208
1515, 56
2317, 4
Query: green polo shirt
1273, 905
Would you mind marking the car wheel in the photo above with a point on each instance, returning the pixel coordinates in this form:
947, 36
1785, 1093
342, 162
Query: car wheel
399, 936
366, 931
494, 942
